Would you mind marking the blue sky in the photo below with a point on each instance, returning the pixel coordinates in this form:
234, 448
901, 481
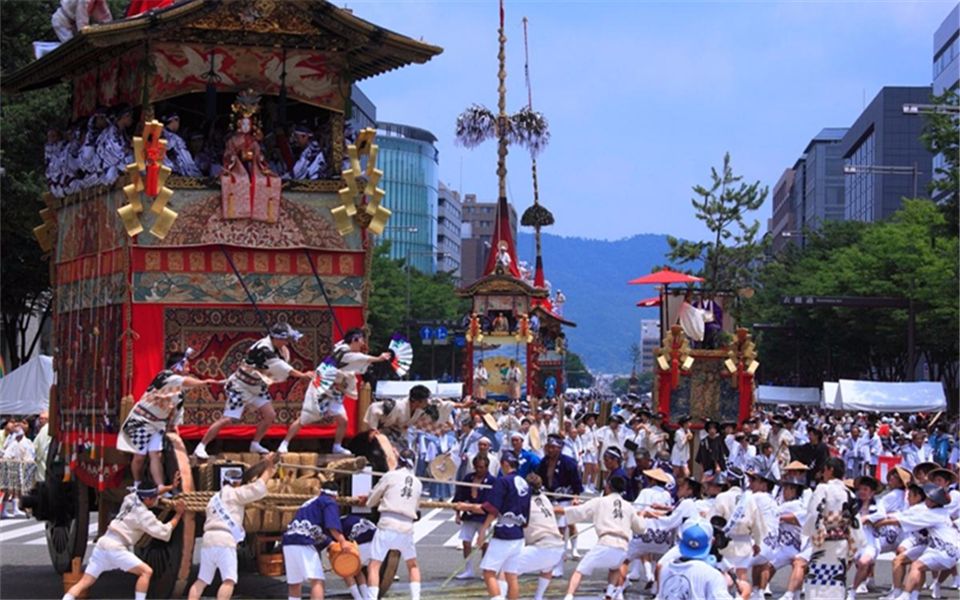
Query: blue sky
644, 97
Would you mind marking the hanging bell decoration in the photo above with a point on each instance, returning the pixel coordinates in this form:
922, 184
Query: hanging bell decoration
361, 189
148, 175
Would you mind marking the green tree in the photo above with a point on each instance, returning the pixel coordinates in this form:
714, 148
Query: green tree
24, 118
432, 297
905, 257
729, 259
942, 136
577, 374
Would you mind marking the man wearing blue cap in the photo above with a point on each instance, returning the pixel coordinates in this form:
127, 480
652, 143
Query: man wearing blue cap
690, 576
267, 362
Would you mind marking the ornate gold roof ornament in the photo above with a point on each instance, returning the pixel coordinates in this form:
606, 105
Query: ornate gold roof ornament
674, 356
741, 360
361, 190
148, 175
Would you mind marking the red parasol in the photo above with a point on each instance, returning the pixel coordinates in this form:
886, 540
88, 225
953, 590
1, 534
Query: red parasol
647, 302
665, 277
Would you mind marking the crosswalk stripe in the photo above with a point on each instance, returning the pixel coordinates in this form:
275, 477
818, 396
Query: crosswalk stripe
22, 532
427, 524
42, 540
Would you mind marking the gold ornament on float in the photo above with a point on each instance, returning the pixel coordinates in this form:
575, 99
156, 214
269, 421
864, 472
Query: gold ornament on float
148, 175
362, 191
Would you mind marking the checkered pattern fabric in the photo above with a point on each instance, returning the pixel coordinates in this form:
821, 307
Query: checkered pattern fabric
237, 397
827, 574
138, 432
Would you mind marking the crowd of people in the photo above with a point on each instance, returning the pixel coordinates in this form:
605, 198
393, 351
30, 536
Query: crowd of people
23, 451
689, 509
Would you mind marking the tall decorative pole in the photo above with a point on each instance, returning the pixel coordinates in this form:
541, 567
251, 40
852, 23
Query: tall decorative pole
536, 216
503, 125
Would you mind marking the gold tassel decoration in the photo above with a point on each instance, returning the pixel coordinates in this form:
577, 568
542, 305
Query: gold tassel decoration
131, 222
369, 197
161, 227
148, 171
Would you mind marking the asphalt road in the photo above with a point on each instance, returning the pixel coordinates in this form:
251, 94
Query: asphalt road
25, 571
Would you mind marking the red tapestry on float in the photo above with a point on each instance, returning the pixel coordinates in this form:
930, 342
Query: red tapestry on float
219, 337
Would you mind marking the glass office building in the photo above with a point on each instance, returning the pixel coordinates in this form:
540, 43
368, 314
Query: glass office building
409, 161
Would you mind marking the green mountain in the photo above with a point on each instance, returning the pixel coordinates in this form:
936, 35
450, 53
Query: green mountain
593, 275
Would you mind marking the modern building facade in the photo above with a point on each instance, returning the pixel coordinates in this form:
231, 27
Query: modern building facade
363, 112
811, 192
783, 223
449, 223
410, 162
479, 219
946, 52
823, 189
883, 137
946, 71
649, 341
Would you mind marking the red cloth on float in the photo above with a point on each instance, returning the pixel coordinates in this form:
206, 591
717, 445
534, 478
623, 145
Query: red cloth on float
138, 7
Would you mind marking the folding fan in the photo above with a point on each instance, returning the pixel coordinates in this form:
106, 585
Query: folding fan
402, 355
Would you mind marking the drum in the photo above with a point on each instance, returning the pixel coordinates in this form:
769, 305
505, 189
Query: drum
345, 559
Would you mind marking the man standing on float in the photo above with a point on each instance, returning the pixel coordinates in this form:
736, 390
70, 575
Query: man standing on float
266, 363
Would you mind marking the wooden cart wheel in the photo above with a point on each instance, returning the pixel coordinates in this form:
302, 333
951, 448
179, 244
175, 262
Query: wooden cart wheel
67, 537
164, 558
388, 570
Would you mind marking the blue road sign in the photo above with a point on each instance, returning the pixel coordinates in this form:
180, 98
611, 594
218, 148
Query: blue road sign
460, 341
426, 333
441, 333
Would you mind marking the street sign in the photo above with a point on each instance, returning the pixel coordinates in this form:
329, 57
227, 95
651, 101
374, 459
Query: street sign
460, 341
426, 333
845, 301
441, 333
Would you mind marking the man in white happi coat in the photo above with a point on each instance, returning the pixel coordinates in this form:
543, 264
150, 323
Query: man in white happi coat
828, 536
943, 539
613, 435
745, 526
114, 548
267, 362
648, 546
156, 413
916, 451
761, 488
223, 527
614, 520
397, 497
351, 357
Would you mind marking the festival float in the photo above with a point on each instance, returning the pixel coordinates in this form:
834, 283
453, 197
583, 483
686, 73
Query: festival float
151, 252
706, 364
515, 328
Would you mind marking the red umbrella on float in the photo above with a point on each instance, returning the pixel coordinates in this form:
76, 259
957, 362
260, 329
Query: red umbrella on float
663, 277
648, 302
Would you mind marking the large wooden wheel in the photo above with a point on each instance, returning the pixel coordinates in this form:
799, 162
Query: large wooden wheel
388, 570
171, 561
68, 509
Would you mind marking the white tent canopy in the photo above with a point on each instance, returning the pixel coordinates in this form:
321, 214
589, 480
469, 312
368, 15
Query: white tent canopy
776, 394
401, 389
26, 389
451, 391
831, 395
892, 396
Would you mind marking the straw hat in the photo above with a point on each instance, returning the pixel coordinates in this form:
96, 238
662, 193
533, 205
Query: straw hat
905, 476
659, 475
443, 468
796, 466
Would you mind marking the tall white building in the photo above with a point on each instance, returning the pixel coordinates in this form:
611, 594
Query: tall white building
449, 219
649, 341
